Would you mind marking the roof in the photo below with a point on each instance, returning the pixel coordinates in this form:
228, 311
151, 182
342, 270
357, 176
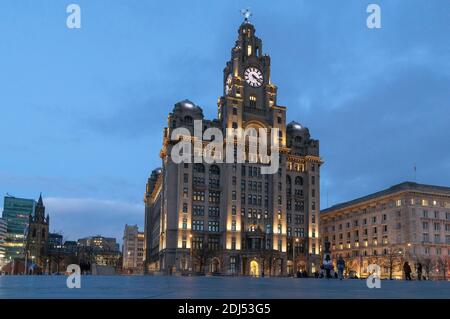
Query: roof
406, 186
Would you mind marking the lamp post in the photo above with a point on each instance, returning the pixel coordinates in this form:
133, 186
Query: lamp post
293, 257
190, 253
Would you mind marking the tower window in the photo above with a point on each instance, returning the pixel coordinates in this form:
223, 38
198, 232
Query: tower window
249, 50
252, 101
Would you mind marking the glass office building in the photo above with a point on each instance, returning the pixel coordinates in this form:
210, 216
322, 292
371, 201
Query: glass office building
16, 213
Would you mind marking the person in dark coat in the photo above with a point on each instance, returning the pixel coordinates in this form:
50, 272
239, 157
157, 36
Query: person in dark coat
419, 271
341, 267
407, 270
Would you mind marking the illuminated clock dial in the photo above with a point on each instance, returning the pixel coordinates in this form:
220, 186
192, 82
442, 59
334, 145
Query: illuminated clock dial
253, 76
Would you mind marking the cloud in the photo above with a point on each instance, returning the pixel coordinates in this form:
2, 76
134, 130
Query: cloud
80, 217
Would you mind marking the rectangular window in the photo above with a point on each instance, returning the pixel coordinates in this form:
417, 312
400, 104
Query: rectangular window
213, 243
437, 238
198, 210
214, 197
197, 225
198, 196
213, 226
213, 211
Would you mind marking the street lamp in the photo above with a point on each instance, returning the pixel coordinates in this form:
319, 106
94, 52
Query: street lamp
293, 257
190, 253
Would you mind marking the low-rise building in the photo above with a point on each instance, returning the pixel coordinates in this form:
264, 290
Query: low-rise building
408, 222
100, 250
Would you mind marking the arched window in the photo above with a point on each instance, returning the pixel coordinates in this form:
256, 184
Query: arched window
188, 119
214, 170
43, 233
298, 180
288, 180
298, 139
199, 168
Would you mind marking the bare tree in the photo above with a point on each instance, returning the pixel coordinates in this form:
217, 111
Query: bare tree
392, 260
427, 264
441, 263
201, 255
267, 257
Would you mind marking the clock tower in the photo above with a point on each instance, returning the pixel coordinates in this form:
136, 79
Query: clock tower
249, 96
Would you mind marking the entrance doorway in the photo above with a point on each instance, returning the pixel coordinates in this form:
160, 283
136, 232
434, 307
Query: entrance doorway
254, 268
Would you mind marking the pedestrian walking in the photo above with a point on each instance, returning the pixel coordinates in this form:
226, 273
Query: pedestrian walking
328, 265
419, 271
341, 267
407, 270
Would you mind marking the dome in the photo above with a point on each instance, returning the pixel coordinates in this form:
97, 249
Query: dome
156, 172
294, 126
187, 105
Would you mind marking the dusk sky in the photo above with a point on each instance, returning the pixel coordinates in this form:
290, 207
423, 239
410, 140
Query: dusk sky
82, 111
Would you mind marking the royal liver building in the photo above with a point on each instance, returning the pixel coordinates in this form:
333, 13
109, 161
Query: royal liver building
230, 218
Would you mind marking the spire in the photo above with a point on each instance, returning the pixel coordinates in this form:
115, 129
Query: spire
39, 211
247, 14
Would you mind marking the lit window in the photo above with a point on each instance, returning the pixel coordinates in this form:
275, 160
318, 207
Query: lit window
249, 50
252, 99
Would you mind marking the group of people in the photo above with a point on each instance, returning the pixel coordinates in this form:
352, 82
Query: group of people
302, 274
327, 268
407, 270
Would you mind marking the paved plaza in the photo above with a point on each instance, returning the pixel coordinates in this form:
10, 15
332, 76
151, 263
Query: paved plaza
153, 287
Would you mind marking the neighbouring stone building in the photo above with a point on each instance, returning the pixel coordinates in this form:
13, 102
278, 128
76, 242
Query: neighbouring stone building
407, 222
100, 250
230, 218
133, 250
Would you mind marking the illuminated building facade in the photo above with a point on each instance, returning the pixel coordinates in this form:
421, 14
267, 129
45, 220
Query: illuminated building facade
228, 217
407, 222
16, 213
133, 250
2, 241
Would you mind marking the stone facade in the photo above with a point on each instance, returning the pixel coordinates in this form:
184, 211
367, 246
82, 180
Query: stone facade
37, 236
229, 218
133, 250
407, 222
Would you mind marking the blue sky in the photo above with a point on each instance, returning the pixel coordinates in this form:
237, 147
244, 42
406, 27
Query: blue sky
82, 111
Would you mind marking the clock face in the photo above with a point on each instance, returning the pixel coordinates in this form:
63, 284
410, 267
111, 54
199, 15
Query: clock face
254, 77
228, 84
